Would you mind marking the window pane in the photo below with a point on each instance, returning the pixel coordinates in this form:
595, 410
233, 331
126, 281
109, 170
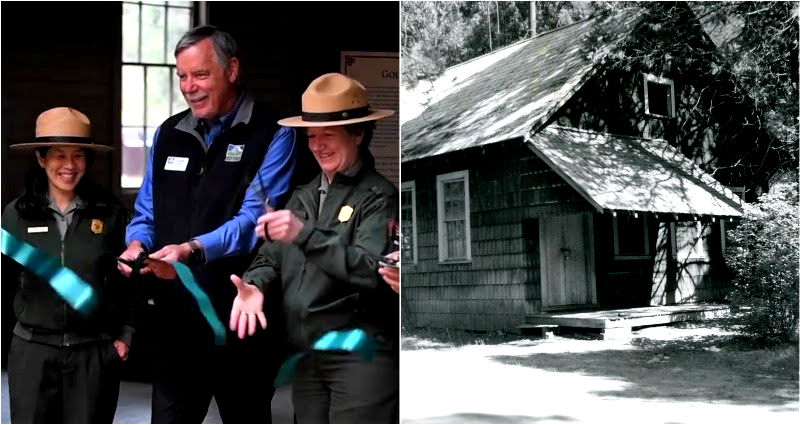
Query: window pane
178, 22
407, 225
630, 232
153, 34
132, 95
658, 98
180, 3
454, 210
455, 239
130, 32
178, 104
455, 229
408, 244
454, 190
157, 95
406, 198
133, 158
149, 133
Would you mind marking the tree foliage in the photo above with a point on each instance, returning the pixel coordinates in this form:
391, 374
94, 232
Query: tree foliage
753, 47
764, 255
763, 55
437, 35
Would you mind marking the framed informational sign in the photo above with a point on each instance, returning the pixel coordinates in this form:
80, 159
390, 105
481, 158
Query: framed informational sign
379, 72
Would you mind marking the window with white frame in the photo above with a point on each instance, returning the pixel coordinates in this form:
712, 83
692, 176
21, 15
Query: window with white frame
150, 30
631, 237
452, 196
408, 228
659, 96
692, 239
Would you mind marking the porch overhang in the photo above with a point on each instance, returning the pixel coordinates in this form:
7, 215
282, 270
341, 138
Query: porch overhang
631, 174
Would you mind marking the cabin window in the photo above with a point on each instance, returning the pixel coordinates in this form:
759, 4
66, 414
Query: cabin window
659, 96
631, 238
692, 239
408, 220
149, 90
452, 195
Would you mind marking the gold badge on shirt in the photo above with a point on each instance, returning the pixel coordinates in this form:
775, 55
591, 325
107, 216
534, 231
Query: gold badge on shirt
97, 226
345, 213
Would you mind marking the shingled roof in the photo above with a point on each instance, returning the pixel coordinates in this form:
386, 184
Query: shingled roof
505, 94
623, 173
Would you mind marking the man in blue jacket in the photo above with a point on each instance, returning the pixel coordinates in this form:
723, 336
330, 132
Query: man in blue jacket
211, 171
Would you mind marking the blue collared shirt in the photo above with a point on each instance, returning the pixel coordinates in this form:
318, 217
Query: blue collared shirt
237, 235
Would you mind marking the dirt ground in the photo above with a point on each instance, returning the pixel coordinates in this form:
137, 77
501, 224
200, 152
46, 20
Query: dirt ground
690, 373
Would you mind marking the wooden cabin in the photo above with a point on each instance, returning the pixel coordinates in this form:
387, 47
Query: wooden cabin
540, 177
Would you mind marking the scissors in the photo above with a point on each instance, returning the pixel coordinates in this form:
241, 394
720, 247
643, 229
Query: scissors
161, 269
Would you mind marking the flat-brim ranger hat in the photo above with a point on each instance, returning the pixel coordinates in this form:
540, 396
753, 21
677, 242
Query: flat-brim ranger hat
334, 99
63, 126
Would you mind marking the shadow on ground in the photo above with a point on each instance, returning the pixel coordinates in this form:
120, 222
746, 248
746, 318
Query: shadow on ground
433, 338
482, 418
708, 368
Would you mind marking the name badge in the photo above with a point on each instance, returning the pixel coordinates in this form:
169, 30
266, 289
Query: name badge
176, 163
234, 153
42, 229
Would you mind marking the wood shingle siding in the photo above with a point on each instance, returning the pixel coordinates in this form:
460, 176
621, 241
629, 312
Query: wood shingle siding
502, 282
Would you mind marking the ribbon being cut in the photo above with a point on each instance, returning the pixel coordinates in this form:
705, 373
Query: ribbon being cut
74, 290
80, 295
165, 270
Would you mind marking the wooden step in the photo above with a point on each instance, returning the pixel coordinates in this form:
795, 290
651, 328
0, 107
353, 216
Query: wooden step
545, 331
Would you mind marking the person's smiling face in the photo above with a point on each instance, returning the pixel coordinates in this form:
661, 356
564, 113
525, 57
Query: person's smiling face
208, 86
334, 148
64, 166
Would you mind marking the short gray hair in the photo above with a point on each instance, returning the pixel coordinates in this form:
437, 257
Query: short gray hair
224, 44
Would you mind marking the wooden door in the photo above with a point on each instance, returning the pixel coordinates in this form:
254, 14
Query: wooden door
567, 260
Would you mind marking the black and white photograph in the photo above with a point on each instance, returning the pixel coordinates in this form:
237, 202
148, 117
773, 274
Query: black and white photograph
416, 212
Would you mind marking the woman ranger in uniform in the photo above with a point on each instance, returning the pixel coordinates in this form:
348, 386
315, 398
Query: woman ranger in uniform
63, 365
322, 257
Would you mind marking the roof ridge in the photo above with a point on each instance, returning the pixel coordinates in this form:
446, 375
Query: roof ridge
520, 41
607, 133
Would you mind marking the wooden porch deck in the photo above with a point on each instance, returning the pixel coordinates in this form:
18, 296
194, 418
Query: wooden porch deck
618, 323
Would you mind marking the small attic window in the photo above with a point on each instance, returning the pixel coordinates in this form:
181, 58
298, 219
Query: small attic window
659, 96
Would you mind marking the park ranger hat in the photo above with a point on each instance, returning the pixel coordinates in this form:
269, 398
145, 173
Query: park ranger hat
63, 126
334, 99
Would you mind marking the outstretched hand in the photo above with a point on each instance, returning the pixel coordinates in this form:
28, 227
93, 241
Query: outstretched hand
247, 306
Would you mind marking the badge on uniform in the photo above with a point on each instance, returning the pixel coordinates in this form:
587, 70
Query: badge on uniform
97, 226
40, 229
345, 213
234, 153
176, 163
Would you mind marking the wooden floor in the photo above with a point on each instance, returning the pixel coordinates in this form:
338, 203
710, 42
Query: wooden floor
618, 323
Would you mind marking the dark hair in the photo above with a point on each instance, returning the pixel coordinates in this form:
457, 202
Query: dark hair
366, 128
225, 45
33, 202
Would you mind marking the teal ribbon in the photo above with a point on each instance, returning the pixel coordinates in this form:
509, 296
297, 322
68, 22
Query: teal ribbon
69, 286
206, 308
354, 340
